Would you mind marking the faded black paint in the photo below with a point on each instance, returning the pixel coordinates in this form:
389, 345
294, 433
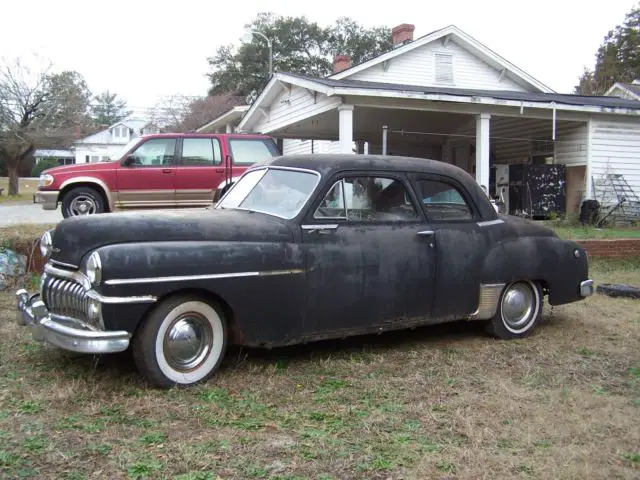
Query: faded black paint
356, 279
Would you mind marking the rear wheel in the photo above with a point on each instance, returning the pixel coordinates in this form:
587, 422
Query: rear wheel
519, 311
182, 342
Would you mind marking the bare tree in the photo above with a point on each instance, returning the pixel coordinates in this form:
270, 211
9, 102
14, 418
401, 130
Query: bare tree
38, 108
184, 114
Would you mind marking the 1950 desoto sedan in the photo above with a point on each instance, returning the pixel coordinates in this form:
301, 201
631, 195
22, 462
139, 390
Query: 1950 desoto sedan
301, 248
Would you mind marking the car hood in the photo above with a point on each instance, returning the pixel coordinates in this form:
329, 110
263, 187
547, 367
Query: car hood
80, 167
75, 237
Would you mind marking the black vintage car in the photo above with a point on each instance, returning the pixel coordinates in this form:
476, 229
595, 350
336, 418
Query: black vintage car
301, 248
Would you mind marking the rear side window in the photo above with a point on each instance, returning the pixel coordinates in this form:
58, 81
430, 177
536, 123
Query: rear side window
200, 151
443, 202
247, 151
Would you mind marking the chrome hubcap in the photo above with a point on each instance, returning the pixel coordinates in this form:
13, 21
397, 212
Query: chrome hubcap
83, 205
518, 304
188, 342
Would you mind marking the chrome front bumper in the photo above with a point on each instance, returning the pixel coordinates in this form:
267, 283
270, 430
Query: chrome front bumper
66, 333
586, 288
47, 198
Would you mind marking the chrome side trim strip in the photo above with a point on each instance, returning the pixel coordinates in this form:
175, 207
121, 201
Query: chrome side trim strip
120, 300
62, 264
212, 276
490, 222
325, 226
488, 301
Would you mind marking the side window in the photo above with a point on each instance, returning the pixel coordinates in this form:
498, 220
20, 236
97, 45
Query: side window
249, 151
200, 151
367, 199
443, 202
157, 151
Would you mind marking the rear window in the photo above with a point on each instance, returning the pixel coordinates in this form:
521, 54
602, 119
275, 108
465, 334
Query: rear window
247, 151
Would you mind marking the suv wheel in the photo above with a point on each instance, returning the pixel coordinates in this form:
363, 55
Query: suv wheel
82, 201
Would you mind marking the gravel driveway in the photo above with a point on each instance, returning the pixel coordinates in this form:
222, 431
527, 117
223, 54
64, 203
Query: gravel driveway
32, 213
27, 213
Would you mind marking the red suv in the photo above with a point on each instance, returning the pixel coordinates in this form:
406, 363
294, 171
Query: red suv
164, 170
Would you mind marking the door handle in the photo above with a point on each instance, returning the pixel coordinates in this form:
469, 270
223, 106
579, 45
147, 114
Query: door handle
166, 170
219, 170
426, 233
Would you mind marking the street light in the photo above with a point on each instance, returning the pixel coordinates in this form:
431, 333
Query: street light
248, 37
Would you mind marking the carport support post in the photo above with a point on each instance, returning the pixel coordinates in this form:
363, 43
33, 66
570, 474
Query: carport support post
385, 133
482, 149
229, 128
345, 131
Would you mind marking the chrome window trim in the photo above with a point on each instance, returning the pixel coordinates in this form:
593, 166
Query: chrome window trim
267, 168
490, 222
212, 276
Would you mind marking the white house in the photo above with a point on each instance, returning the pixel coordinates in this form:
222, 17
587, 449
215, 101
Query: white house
99, 146
624, 90
447, 96
64, 157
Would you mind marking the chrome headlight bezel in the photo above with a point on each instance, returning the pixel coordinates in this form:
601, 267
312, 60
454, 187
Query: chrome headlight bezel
46, 244
46, 180
93, 269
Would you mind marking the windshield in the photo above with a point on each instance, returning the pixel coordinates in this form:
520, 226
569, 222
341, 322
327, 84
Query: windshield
119, 153
274, 191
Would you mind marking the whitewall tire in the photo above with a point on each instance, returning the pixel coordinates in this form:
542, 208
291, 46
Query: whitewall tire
182, 342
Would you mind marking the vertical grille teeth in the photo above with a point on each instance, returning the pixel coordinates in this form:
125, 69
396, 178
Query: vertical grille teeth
66, 298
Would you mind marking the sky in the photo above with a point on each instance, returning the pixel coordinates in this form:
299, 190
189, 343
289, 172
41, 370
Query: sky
144, 51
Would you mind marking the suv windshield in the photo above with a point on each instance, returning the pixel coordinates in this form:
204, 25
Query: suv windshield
274, 191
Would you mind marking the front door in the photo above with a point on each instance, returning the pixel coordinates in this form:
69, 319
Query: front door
200, 171
461, 241
370, 257
149, 181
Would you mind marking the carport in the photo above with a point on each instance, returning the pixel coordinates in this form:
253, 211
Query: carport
476, 130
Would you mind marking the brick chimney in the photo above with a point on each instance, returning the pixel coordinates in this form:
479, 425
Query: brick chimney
341, 62
402, 34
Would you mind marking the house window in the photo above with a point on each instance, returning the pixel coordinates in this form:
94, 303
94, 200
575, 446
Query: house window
95, 158
444, 68
86, 158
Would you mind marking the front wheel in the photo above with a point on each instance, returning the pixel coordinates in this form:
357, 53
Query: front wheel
519, 311
82, 201
182, 342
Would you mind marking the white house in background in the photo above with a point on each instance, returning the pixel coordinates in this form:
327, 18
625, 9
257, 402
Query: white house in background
64, 157
624, 90
101, 145
448, 97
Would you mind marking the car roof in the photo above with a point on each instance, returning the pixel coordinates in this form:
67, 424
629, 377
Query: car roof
327, 163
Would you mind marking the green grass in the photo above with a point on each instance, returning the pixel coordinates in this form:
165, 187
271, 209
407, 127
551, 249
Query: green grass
430, 403
25, 192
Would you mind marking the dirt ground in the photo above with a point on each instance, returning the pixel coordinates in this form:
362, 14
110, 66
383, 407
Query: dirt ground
443, 402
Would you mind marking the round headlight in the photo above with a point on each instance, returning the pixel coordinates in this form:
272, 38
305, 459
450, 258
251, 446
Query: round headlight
94, 269
46, 244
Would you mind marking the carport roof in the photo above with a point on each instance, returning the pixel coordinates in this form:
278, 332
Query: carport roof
566, 99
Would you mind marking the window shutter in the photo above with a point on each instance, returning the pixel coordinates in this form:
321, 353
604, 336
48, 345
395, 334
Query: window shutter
444, 68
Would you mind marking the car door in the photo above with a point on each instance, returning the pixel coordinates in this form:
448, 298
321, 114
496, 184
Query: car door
199, 171
146, 177
461, 243
368, 263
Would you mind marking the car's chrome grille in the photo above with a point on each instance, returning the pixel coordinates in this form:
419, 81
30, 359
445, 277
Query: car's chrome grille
65, 298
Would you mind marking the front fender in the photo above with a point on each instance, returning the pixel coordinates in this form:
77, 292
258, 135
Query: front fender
551, 260
93, 180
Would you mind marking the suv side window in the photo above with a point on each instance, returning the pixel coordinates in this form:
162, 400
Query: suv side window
155, 152
367, 198
201, 151
247, 151
443, 202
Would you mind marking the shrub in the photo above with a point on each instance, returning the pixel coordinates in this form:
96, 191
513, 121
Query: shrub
44, 164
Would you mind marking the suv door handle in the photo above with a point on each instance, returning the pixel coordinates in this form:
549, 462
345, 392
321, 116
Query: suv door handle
426, 233
166, 170
219, 170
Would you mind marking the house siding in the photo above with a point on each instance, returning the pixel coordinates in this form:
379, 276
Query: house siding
291, 106
571, 146
615, 149
300, 147
417, 67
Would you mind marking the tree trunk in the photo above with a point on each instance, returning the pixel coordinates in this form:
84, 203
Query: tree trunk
14, 180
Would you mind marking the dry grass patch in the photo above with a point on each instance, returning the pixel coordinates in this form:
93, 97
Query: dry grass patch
443, 402
25, 191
